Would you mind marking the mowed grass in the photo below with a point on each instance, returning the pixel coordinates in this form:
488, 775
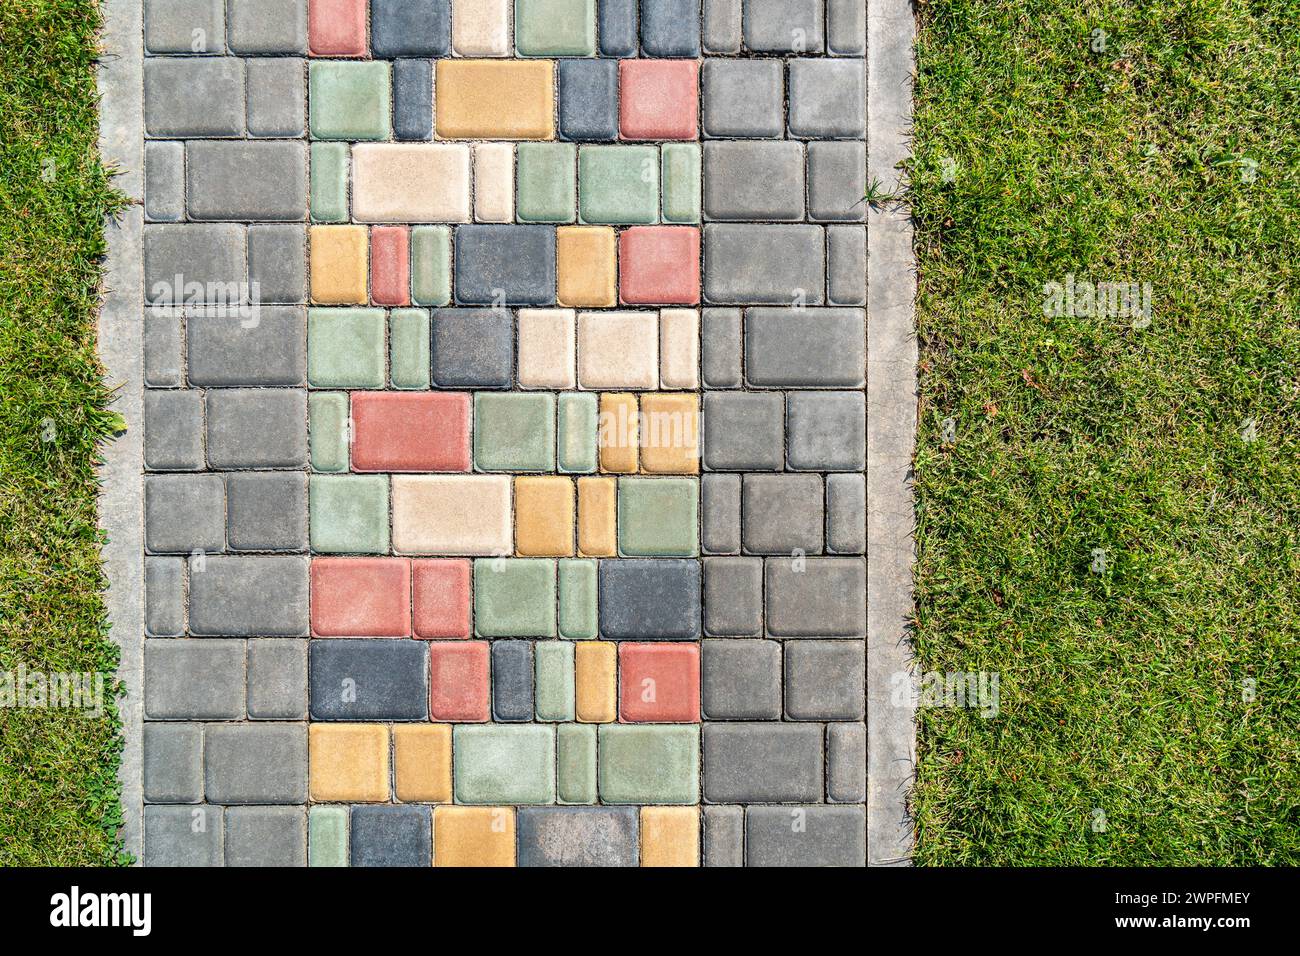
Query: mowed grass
58, 792
1150, 709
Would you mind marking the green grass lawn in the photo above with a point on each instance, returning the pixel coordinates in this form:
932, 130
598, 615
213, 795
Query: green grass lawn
58, 792
1149, 711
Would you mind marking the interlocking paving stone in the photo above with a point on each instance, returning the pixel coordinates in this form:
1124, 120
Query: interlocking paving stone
182, 836
504, 764
650, 598
351, 101
783, 514
277, 99
846, 762
659, 683
327, 836
451, 514
722, 26
249, 595
458, 681
576, 763
472, 347
764, 264
226, 350
846, 265
360, 597
827, 430
194, 680
680, 175
329, 182
257, 428
805, 836
194, 96
827, 98
749, 181
185, 26
544, 183
328, 413
345, 348
193, 263
733, 596
670, 836
837, 181
481, 29
431, 265
658, 99
555, 27
824, 680
720, 514
277, 268
576, 447
391, 836
741, 680
422, 762
846, 512
555, 682
410, 27
413, 99
720, 348
255, 763
164, 178
846, 27
744, 431
408, 347
815, 597
369, 679
657, 516
724, 835
743, 98
348, 513
184, 513
512, 681
173, 763
277, 679
648, 763
488, 99
267, 26
783, 26
349, 762
173, 429
618, 184
164, 597
762, 763
670, 28
163, 349
511, 265
578, 836
618, 27
266, 836
588, 92
514, 598
474, 836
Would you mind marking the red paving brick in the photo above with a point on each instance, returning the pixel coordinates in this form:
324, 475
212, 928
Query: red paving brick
658, 99
674, 695
337, 27
458, 681
390, 265
659, 265
361, 597
395, 431
441, 594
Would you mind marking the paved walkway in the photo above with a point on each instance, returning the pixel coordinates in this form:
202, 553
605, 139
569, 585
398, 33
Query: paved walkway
505, 440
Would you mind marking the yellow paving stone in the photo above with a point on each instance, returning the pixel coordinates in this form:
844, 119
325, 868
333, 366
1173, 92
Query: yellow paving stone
349, 762
410, 182
546, 348
670, 836
670, 433
597, 517
422, 762
473, 836
586, 266
618, 350
452, 514
494, 182
340, 265
679, 348
596, 681
495, 99
544, 517
617, 433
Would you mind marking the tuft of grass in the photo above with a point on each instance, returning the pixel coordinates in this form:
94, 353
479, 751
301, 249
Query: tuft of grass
59, 801
1149, 700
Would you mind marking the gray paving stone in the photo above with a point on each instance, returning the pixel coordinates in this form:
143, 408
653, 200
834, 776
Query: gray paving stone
827, 430
753, 180
578, 836
392, 836
410, 28
194, 96
164, 364
277, 96
784, 26
250, 595
505, 265
164, 587
472, 347
266, 836
828, 98
173, 429
720, 514
846, 762
277, 679
741, 680
846, 27
720, 348
231, 179
184, 513
816, 597
185, 26
825, 680
724, 836
837, 181
806, 836
193, 680
617, 27
783, 514
255, 763
194, 263
182, 836
413, 99
762, 763
173, 763
750, 263
267, 512
588, 99
268, 26
743, 431
846, 514
846, 265
742, 98
805, 347
269, 348
369, 679
649, 598
733, 596
164, 181
277, 263
721, 33
257, 428
670, 28
512, 680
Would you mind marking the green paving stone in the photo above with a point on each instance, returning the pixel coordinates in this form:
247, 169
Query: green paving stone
578, 417
345, 348
649, 763
545, 181
554, 686
496, 764
431, 265
514, 597
350, 100
657, 516
327, 418
576, 758
555, 27
349, 514
618, 184
681, 179
327, 836
408, 343
578, 620
514, 432
329, 182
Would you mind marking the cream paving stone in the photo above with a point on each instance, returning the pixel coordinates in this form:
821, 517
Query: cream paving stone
547, 338
411, 182
679, 348
452, 514
481, 27
494, 182
618, 350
